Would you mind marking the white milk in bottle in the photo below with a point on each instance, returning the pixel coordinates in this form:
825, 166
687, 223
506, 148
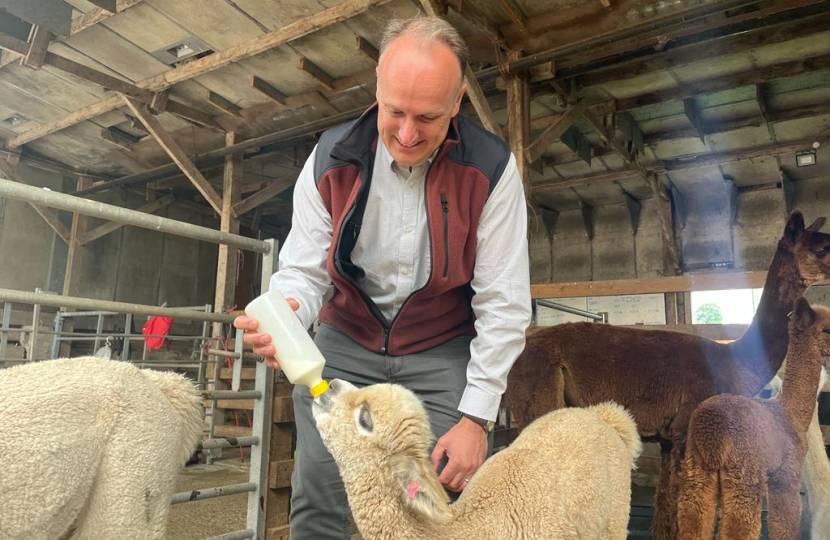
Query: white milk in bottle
298, 356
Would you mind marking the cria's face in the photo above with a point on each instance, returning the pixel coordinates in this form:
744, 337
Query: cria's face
379, 420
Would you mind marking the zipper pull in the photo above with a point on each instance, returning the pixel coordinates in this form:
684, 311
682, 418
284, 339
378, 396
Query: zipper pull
385, 341
444, 204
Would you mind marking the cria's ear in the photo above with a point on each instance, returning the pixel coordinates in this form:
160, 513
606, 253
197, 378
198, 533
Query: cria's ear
795, 226
803, 314
420, 489
817, 225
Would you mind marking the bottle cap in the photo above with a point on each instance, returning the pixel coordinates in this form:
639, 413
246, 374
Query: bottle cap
319, 389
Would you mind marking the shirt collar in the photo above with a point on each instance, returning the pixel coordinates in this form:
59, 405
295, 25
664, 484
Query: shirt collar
401, 170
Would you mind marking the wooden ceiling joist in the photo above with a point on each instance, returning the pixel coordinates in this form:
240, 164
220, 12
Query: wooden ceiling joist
103, 230
179, 156
38, 42
263, 196
269, 91
225, 105
367, 49
553, 132
472, 14
322, 19
316, 72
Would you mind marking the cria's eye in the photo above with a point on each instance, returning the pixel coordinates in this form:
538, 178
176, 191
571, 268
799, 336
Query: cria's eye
821, 253
365, 419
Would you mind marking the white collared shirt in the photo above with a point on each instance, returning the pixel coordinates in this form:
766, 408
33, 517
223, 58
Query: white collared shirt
393, 250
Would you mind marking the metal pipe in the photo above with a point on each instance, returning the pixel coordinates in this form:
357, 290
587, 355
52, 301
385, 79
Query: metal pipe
212, 493
533, 60
57, 300
62, 201
227, 442
568, 309
231, 354
236, 535
231, 394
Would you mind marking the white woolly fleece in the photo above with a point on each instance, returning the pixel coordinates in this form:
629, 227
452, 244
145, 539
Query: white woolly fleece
90, 449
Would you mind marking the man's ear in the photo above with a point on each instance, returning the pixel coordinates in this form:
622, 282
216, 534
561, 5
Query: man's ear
420, 489
457, 106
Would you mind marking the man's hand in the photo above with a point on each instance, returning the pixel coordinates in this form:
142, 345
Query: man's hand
260, 342
466, 447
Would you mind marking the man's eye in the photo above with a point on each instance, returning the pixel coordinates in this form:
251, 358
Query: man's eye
396, 114
428, 119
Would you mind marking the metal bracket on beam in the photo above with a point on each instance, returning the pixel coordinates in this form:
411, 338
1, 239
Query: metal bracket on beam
732, 195
634, 209
678, 205
789, 191
549, 217
588, 214
693, 115
578, 143
632, 133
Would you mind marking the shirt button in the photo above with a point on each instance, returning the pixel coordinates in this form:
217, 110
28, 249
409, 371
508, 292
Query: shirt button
408, 229
405, 272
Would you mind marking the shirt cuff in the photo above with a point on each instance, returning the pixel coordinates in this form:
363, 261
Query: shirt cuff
479, 403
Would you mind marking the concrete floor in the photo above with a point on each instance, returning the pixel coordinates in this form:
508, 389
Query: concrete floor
211, 517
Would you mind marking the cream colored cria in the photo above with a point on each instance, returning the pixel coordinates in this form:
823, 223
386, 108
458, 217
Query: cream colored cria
567, 476
90, 449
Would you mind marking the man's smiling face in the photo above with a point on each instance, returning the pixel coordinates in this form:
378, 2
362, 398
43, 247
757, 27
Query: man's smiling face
419, 91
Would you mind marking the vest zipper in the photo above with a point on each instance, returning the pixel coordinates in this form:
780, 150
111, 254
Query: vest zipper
445, 207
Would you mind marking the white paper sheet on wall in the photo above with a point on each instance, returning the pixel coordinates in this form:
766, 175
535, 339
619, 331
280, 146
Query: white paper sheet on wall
646, 309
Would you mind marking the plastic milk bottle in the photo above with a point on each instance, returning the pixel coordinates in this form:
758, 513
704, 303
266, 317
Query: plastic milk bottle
299, 357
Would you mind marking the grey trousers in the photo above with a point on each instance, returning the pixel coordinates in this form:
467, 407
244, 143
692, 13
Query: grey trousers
319, 508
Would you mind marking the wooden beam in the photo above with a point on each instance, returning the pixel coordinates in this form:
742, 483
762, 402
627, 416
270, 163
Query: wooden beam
367, 49
479, 101
194, 116
671, 253
706, 47
715, 281
316, 72
106, 228
38, 43
264, 195
95, 16
555, 131
518, 125
322, 19
271, 92
475, 16
74, 259
320, 103
175, 152
513, 13
227, 264
225, 105
679, 164
434, 8
711, 86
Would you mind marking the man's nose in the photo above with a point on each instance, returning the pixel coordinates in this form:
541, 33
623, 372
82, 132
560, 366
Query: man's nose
408, 132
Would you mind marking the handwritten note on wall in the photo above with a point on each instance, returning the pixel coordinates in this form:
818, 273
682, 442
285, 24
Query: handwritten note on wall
622, 310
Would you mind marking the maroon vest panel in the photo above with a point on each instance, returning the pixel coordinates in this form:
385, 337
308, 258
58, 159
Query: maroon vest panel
457, 187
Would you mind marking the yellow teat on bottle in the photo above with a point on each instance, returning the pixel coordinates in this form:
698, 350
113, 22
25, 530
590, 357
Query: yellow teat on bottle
298, 356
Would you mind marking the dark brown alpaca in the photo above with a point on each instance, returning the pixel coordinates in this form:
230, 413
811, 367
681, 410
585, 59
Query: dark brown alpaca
742, 449
662, 376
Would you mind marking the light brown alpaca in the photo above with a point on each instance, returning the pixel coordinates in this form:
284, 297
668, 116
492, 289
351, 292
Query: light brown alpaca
662, 376
743, 449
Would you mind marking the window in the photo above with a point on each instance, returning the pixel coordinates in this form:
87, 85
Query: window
725, 307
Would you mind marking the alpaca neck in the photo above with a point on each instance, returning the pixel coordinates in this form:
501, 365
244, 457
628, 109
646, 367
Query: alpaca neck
761, 350
801, 379
379, 513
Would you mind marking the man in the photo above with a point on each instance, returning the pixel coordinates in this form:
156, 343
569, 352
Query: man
413, 220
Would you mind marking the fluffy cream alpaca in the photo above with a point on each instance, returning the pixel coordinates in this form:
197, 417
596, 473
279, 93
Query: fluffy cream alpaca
566, 477
90, 449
